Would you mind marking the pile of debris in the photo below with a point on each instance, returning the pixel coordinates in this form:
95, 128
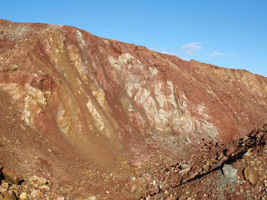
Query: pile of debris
13, 188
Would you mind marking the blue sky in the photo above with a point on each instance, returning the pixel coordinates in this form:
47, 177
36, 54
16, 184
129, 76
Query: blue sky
227, 33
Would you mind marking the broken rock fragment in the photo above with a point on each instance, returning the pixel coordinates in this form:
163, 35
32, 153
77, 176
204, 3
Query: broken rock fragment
10, 176
250, 175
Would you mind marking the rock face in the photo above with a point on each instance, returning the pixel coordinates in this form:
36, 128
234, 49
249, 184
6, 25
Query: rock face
88, 110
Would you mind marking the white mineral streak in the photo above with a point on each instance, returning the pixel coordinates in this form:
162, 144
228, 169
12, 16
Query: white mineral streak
34, 101
125, 58
202, 110
98, 120
159, 94
62, 120
15, 90
96, 116
157, 99
79, 37
171, 98
114, 63
76, 60
100, 97
153, 71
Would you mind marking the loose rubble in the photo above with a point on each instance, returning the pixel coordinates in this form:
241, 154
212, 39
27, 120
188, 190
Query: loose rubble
13, 188
240, 174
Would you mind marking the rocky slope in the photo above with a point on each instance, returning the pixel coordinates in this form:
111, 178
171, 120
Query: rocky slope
115, 120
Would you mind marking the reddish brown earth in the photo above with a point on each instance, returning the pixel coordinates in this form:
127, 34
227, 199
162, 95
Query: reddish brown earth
111, 120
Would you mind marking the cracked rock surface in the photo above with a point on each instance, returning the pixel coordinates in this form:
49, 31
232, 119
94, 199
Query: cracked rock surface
110, 120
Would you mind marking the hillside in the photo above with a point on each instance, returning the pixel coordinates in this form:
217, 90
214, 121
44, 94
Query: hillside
116, 120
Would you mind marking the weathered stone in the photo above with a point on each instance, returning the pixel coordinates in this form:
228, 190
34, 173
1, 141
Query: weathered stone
2, 189
23, 196
250, 175
10, 176
16, 192
42, 181
14, 187
34, 193
44, 187
10, 195
38, 181
91, 198
5, 185
248, 153
14, 67
229, 171
33, 180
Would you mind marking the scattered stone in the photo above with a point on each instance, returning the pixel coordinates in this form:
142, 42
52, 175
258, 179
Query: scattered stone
34, 193
33, 180
23, 196
37, 181
16, 192
250, 175
13, 187
248, 153
60, 198
91, 198
41, 181
229, 171
10, 195
166, 192
5, 185
44, 187
14, 67
10, 176
2, 189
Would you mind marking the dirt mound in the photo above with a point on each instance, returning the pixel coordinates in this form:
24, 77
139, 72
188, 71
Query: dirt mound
118, 120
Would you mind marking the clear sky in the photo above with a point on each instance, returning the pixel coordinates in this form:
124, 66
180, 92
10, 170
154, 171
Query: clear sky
227, 33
